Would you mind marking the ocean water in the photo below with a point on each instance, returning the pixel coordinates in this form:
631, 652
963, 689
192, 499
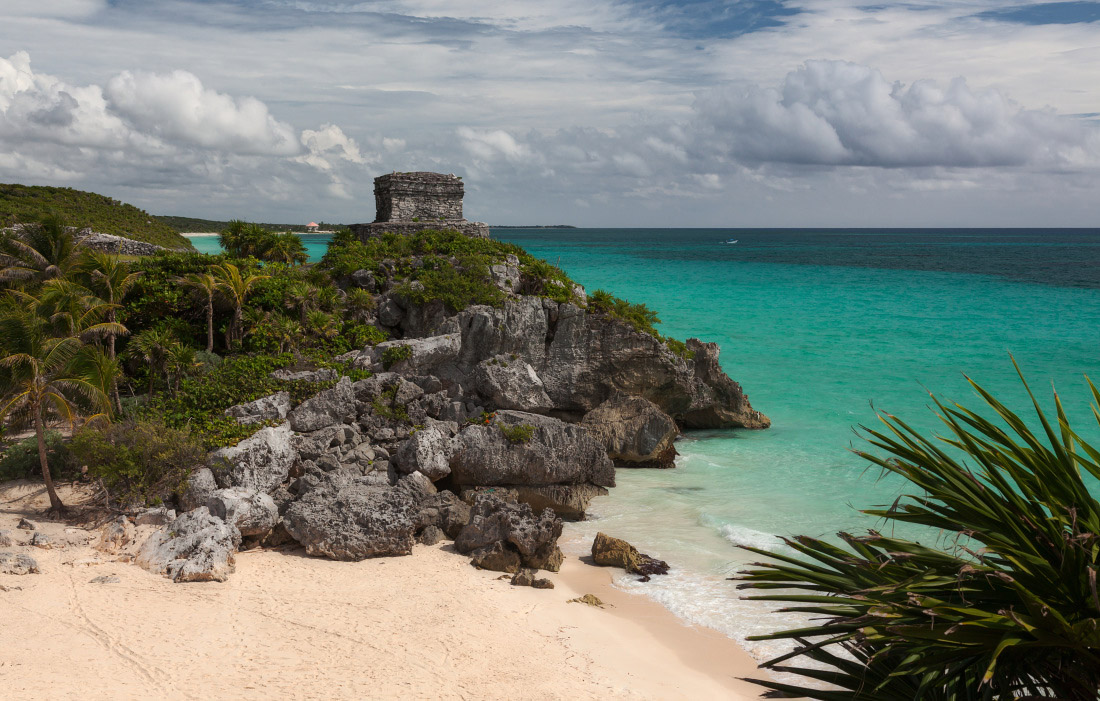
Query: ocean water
822, 328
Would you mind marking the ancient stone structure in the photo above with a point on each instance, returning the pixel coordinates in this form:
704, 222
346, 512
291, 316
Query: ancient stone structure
411, 202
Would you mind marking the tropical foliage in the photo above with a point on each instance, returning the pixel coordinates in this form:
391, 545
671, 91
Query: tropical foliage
1005, 605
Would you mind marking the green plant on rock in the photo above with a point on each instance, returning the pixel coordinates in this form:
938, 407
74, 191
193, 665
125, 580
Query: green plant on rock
395, 354
519, 433
1005, 606
387, 406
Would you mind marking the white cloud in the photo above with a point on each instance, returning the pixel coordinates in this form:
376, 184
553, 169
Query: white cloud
327, 143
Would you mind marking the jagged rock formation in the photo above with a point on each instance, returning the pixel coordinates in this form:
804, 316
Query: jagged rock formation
409, 202
634, 431
196, 547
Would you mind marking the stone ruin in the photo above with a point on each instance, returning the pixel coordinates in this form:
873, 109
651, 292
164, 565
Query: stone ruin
409, 202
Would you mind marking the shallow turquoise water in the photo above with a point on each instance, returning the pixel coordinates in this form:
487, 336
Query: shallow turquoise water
819, 328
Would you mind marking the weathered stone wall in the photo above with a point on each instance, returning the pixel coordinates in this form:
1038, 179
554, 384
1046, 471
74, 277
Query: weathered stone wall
424, 196
475, 229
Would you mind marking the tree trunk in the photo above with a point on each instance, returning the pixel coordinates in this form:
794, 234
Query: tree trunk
210, 324
56, 507
152, 377
111, 355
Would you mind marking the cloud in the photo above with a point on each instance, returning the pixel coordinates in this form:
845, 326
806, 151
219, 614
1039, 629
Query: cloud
176, 107
843, 114
327, 143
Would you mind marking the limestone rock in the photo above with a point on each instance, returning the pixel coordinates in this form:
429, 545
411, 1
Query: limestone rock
496, 557
427, 451
7, 538
27, 525
507, 383
157, 516
17, 563
497, 528
430, 536
116, 535
568, 501
445, 511
542, 583
425, 355
634, 431
322, 375
332, 406
253, 513
196, 547
557, 453
41, 540
273, 407
259, 463
613, 552
200, 485
345, 517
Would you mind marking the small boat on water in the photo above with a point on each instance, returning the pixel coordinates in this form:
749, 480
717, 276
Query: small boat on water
731, 240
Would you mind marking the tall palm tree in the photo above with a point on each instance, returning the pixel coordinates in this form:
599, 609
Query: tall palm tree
206, 285
110, 278
300, 297
47, 375
236, 288
38, 252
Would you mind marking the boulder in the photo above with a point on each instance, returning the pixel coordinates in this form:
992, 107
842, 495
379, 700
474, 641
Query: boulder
613, 552
346, 517
273, 407
327, 408
27, 525
497, 557
259, 463
498, 528
390, 313
17, 563
568, 501
430, 536
634, 430
200, 485
555, 453
196, 547
41, 540
116, 535
445, 511
322, 375
7, 538
157, 516
505, 382
425, 355
253, 513
427, 451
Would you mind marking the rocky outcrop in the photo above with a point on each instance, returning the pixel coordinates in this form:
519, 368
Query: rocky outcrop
635, 432
273, 407
444, 511
417, 356
613, 552
505, 383
332, 406
322, 375
17, 563
428, 452
259, 463
345, 517
117, 245
200, 486
252, 513
555, 453
505, 537
196, 547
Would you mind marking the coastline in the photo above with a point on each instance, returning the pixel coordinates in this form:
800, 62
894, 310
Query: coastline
425, 625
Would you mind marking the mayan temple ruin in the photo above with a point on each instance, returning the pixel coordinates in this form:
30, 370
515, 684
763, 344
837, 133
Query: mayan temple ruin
410, 202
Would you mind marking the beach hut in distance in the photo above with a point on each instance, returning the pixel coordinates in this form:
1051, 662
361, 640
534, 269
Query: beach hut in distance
312, 227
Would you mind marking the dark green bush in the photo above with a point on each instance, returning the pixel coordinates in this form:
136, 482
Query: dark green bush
20, 460
394, 355
138, 461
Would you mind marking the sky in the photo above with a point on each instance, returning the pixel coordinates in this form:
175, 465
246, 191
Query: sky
661, 113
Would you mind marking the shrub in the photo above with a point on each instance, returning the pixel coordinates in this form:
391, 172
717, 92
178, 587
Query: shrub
387, 406
139, 461
520, 433
394, 355
20, 460
1003, 606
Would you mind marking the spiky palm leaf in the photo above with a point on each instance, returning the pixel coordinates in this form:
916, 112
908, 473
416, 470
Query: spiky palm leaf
1007, 606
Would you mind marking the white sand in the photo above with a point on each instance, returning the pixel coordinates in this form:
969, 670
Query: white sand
286, 626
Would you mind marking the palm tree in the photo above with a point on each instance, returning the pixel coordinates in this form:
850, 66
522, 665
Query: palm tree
322, 324
1005, 607
359, 303
45, 375
206, 285
236, 288
286, 248
231, 238
301, 297
154, 347
180, 362
38, 252
109, 277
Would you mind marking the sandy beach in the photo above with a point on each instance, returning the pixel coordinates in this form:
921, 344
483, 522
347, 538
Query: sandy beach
290, 626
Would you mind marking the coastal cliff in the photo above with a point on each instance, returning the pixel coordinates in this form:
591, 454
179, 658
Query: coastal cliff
502, 404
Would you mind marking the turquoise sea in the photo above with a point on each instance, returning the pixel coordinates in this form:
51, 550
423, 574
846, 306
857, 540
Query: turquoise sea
822, 327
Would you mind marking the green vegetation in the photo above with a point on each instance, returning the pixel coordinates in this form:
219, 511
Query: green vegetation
445, 266
1004, 606
209, 226
640, 317
25, 204
520, 433
387, 406
394, 355
243, 240
138, 461
21, 460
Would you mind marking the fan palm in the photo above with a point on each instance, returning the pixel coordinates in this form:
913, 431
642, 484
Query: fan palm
38, 252
236, 288
110, 278
153, 347
285, 248
1006, 608
206, 285
48, 375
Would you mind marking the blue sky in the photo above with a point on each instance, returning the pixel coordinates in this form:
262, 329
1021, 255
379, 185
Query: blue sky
591, 112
